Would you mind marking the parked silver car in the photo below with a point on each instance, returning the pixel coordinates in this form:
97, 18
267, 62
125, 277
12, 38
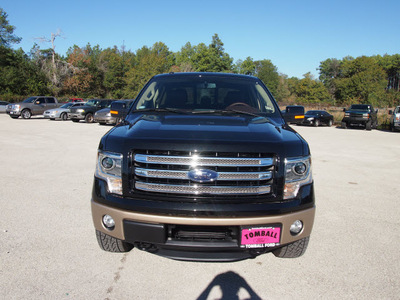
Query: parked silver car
61, 112
3, 105
104, 115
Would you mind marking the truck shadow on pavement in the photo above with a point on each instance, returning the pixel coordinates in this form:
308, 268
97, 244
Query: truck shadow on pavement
230, 283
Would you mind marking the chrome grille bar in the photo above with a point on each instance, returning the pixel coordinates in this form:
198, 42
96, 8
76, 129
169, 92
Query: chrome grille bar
234, 176
203, 190
203, 161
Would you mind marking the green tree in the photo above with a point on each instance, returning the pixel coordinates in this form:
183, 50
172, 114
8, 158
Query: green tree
268, 73
246, 66
310, 91
19, 75
7, 36
150, 62
362, 80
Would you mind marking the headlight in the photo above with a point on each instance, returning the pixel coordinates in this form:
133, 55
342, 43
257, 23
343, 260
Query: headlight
17, 107
365, 115
108, 115
108, 167
310, 119
347, 114
80, 110
297, 173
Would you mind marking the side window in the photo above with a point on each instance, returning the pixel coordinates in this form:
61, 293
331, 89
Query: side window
50, 100
40, 101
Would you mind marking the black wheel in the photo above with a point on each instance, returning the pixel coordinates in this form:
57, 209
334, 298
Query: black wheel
368, 125
293, 250
111, 244
89, 118
330, 123
316, 122
344, 125
64, 116
26, 114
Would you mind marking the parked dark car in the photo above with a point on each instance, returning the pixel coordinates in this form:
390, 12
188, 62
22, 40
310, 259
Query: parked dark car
87, 111
360, 115
317, 118
293, 114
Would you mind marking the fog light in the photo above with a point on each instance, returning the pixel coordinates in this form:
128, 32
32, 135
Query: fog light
296, 227
108, 222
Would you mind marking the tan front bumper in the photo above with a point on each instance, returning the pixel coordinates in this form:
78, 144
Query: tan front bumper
119, 215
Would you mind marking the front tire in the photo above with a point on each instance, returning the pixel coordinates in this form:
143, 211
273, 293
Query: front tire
330, 123
293, 250
368, 125
64, 117
316, 123
89, 118
112, 244
344, 125
26, 114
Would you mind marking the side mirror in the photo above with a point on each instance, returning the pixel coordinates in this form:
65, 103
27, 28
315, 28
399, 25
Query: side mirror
118, 109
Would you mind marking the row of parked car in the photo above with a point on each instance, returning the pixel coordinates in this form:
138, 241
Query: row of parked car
358, 115
98, 110
94, 110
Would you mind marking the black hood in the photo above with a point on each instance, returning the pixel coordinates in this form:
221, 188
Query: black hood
204, 133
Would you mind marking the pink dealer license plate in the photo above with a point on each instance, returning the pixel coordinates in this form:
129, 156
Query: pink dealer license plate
260, 237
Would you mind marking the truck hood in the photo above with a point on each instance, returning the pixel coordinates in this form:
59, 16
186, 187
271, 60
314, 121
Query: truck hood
204, 133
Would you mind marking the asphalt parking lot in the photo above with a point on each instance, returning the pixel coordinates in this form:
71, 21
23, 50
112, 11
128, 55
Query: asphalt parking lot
48, 248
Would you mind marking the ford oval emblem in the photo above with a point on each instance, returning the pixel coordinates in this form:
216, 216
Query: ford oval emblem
202, 175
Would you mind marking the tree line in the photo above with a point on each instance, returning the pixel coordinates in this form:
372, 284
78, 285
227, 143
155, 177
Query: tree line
117, 73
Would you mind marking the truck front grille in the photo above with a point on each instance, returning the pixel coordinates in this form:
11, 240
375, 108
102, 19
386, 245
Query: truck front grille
215, 173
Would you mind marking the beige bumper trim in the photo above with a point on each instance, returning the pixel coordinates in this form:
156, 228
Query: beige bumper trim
119, 215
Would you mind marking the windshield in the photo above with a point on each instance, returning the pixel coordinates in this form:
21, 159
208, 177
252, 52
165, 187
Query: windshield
29, 100
360, 107
66, 105
93, 102
313, 112
206, 93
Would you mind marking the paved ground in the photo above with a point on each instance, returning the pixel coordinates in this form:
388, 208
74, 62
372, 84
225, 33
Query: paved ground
48, 248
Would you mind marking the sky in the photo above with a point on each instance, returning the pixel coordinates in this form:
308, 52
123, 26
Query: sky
296, 36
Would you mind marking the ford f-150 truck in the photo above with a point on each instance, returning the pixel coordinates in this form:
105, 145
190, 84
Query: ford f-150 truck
35, 105
204, 168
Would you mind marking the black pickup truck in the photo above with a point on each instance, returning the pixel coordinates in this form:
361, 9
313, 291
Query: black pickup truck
360, 115
204, 168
